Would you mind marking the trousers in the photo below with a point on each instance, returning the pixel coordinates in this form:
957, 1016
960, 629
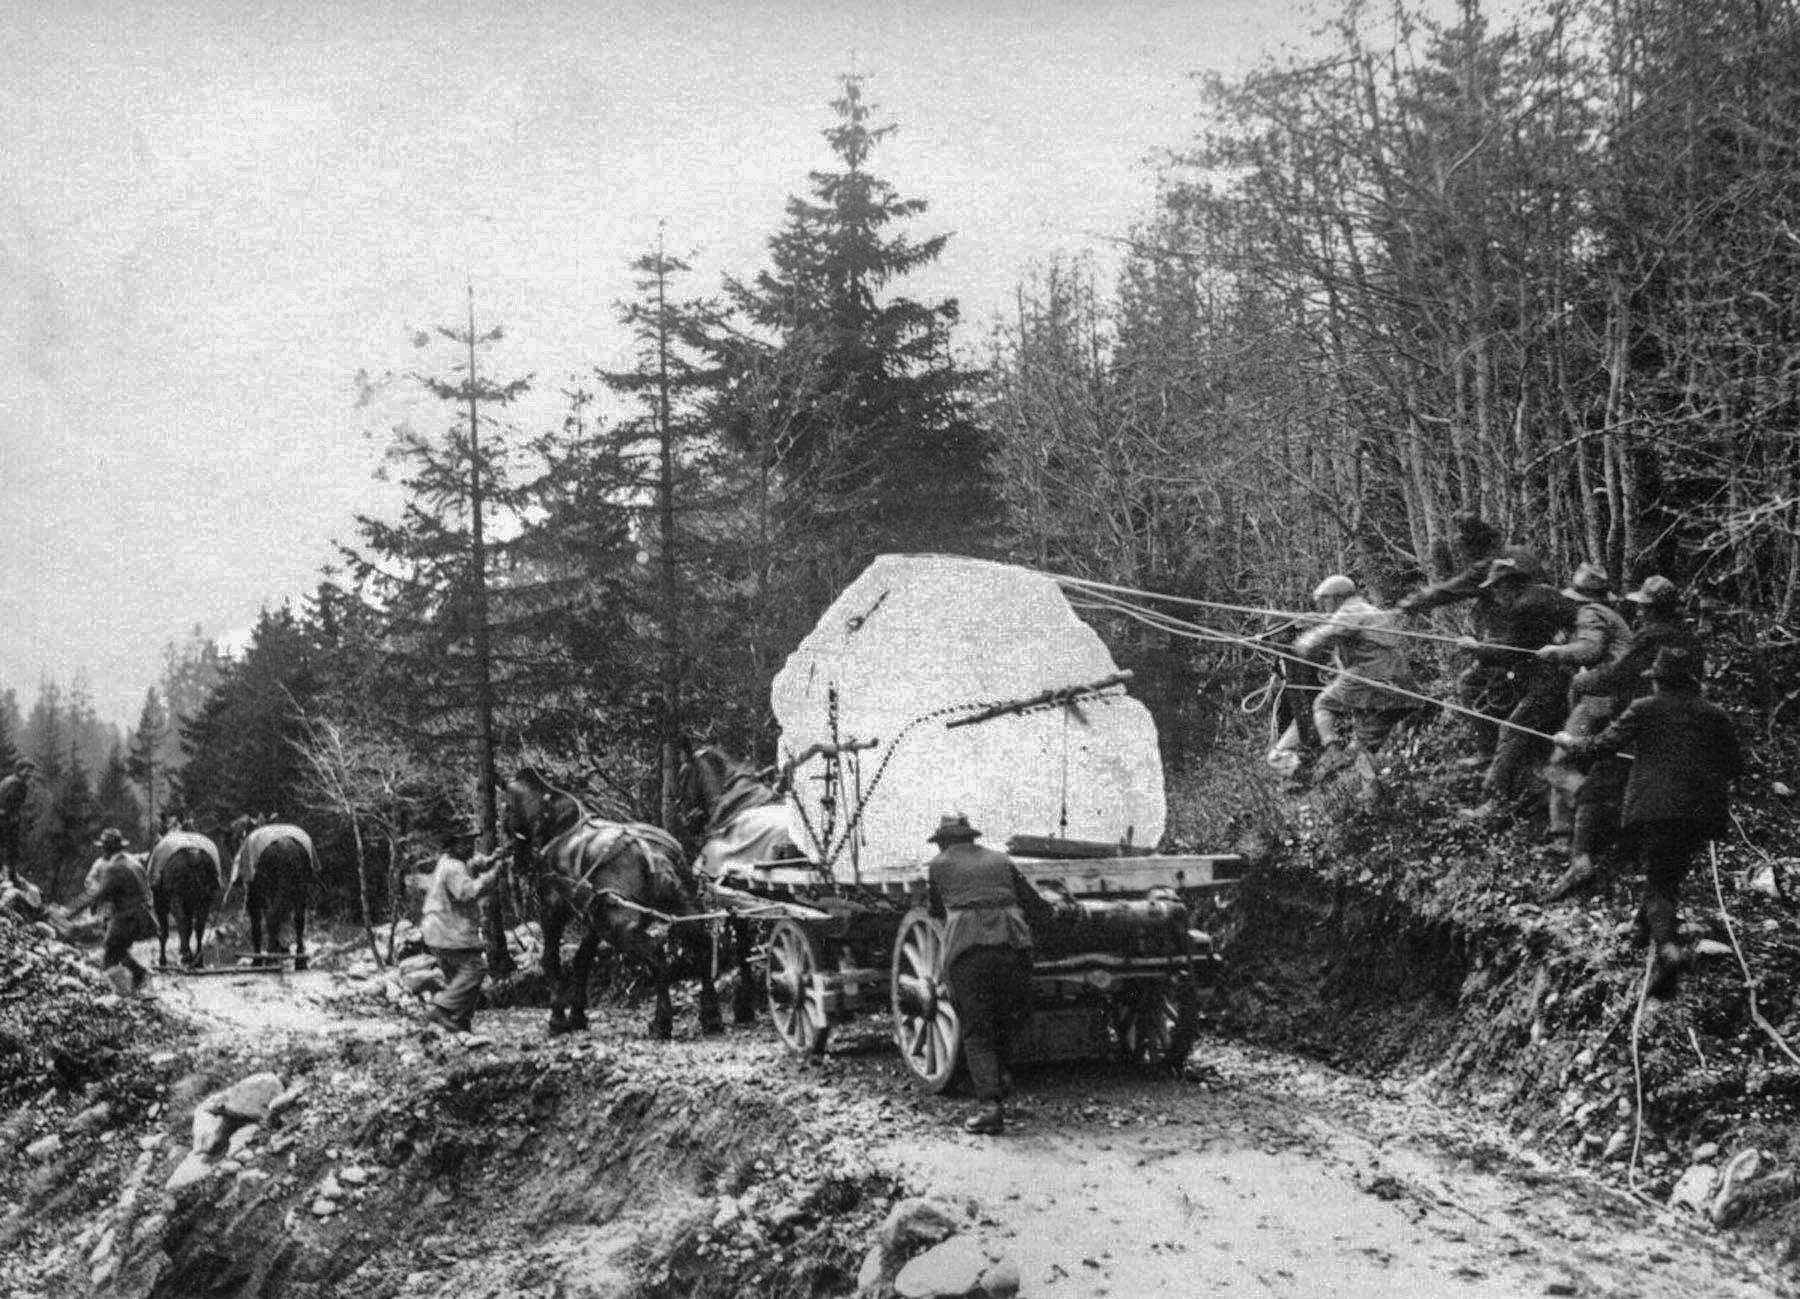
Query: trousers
1666, 850
991, 989
465, 970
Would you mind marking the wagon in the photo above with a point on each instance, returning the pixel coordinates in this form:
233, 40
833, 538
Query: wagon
897, 708
1122, 974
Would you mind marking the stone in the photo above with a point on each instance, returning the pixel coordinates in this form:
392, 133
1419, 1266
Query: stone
44, 1147
1706, 1152
954, 1268
1617, 1146
152, 1141
194, 1168
329, 1188
1739, 1170
920, 1220
210, 1132
242, 1138
91, 1120
1001, 1280
323, 1208
287, 1100
1694, 1188
1710, 947
353, 1176
914, 633
868, 1276
249, 1098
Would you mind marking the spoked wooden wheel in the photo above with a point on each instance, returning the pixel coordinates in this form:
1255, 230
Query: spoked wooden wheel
794, 958
1156, 1021
926, 1028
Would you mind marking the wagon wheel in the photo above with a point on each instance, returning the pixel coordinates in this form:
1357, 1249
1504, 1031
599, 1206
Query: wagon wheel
793, 959
926, 1028
1155, 1022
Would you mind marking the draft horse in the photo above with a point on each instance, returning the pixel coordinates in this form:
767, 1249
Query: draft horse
186, 878
732, 820
619, 879
277, 863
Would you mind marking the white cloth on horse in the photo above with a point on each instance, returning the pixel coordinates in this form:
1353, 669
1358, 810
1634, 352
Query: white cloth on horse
172, 843
243, 865
756, 834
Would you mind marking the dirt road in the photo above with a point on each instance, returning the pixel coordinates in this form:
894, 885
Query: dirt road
1261, 1175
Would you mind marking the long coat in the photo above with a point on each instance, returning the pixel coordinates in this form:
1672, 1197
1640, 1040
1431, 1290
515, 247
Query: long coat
1685, 754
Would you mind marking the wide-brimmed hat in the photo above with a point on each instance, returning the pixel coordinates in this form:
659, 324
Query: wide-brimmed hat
954, 828
1505, 570
1674, 666
1589, 583
1473, 530
1337, 586
1656, 589
110, 840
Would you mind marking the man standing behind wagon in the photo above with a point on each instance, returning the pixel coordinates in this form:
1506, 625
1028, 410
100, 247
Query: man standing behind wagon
988, 907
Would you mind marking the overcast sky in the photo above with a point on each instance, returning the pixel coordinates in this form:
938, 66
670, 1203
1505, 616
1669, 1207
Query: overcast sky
216, 214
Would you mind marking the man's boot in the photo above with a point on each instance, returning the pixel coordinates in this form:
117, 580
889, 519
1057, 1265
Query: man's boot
1666, 969
988, 1121
1582, 874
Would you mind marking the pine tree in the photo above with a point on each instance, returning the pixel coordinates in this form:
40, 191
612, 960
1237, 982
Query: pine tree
145, 763
69, 829
429, 572
890, 459
118, 802
240, 754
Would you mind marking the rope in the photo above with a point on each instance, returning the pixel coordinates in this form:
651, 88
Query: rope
1751, 982
1196, 631
1101, 588
1637, 1071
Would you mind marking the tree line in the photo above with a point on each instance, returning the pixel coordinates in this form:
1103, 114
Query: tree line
1545, 272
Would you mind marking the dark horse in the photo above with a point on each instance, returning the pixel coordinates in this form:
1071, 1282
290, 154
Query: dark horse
185, 880
620, 880
277, 864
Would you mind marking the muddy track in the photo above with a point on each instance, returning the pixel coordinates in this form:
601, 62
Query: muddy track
614, 1166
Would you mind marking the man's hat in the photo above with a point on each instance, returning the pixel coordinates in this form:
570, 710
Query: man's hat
1505, 570
954, 828
1337, 586
24, 765
460, 831
1655, 590
1674, 666
1589, 583
110, 840
1470, 526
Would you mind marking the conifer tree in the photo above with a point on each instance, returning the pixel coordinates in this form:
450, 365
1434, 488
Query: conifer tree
890, 456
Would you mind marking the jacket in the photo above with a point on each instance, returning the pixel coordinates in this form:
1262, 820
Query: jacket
986, 900
1601, 636
116, 881
1535, 617
1361, 638
451, 915
1685, 754
1466, 585
13, 791
1624, 677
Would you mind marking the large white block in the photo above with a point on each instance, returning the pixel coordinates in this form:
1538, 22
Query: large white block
921, 640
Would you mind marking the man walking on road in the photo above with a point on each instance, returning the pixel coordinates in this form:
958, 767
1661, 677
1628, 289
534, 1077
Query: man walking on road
117, 881
988, 907
451, 924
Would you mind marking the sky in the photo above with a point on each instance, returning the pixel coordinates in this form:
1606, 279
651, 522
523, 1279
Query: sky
216, 216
